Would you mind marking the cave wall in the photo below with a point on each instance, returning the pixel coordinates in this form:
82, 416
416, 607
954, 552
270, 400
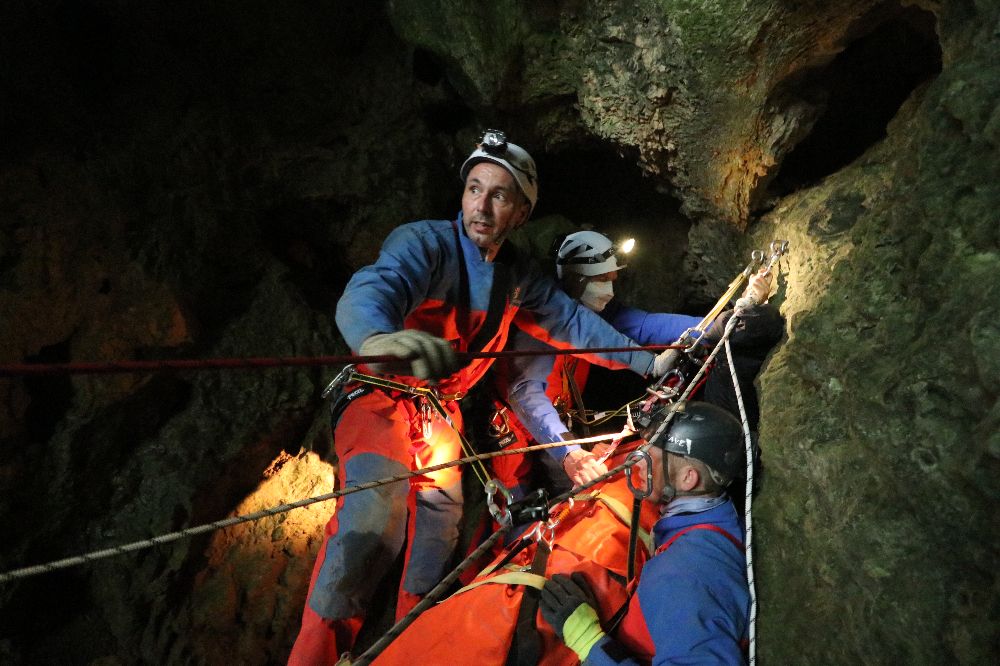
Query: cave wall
201, 180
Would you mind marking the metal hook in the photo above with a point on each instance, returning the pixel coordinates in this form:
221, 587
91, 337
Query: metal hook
499, 426
502, 516
342, 377
639, 456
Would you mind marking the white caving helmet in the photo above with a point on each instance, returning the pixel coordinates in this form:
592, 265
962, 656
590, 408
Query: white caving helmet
587, 253
495, 148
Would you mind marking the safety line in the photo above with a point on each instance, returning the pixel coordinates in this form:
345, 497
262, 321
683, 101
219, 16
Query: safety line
65, 563
120, 367
747, 513
694, 383
673, 409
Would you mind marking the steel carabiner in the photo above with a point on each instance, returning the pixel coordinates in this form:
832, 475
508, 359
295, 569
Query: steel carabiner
639, 456
502, 516
343, 377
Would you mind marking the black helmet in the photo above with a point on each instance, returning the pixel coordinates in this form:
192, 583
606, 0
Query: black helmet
705, 432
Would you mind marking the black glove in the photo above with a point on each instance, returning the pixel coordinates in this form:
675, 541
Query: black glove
568, 604
561, 596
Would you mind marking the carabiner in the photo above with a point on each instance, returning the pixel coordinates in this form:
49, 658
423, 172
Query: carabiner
553, 522
342, 377
426, 418
502, 516
499, 426
639, 456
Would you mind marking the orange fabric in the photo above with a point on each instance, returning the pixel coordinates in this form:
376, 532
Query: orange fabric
526, 321
634, 634
320, 640
429, 317
478, 624
377, 423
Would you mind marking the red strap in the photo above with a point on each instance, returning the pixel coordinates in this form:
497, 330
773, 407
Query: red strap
700, 526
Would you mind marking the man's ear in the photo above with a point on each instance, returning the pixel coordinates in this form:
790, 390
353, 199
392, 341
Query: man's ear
690, 479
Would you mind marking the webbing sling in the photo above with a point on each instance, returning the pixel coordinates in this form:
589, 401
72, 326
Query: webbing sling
526, 643
536, 581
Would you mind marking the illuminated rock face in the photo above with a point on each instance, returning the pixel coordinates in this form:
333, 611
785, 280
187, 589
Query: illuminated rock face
201, 183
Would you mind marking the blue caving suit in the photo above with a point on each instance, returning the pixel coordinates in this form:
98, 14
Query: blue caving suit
692, 605
429, 276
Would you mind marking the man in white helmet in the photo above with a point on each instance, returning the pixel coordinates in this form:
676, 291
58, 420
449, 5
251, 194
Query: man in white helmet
538, 388
438, 287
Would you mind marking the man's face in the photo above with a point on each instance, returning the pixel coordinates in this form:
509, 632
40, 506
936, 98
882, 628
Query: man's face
492, 206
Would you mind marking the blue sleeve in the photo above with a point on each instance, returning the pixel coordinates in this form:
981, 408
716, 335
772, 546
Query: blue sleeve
608, 652
548, 314
648, 328
527, 398
702, 619
378, 298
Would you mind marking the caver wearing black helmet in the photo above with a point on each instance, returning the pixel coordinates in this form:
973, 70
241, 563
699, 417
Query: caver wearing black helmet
698, 571
710, 440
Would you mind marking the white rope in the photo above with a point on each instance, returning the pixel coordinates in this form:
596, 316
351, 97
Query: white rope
693, 384
748, 541
25, 572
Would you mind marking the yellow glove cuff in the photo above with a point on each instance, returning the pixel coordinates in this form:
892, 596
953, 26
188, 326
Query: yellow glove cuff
581, 630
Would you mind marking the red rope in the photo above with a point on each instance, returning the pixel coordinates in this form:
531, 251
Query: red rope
119, 367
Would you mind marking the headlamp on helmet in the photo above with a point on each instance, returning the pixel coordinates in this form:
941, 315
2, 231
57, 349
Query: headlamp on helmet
589, 253
494, 147
494, 142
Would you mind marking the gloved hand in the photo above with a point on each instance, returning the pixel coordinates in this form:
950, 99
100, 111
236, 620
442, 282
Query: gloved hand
582, 466
758, 288
664, 361
567, 604
430, 357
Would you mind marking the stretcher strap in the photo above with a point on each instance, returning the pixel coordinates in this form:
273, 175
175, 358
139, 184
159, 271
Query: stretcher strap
510, 578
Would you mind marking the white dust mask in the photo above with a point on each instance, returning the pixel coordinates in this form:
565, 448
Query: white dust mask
596, 295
